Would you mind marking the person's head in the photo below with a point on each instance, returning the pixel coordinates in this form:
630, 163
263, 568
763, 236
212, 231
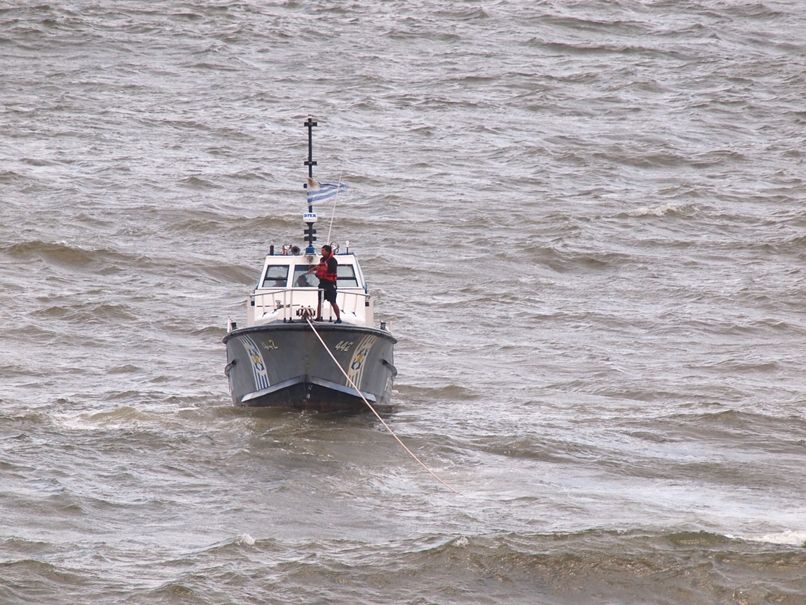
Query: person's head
327, 250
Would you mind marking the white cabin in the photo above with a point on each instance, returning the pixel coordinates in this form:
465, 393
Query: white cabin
287, 285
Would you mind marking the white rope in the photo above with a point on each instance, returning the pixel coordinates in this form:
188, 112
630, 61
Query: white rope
374, 411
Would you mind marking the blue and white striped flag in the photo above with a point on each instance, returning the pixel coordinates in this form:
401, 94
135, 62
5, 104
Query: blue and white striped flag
318, 192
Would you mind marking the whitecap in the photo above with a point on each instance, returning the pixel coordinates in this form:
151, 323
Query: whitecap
663, 210
791, 537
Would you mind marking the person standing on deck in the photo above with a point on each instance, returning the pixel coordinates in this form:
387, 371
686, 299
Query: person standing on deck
327, 271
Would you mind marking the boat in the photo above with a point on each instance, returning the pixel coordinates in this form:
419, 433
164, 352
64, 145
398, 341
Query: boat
284, 355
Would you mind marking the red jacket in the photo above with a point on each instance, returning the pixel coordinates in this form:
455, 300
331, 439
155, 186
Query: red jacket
326, 269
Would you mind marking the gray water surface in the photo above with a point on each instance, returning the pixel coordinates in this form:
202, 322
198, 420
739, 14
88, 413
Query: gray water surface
584, 222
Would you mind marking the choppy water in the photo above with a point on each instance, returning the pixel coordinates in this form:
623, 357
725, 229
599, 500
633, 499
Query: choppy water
583, 220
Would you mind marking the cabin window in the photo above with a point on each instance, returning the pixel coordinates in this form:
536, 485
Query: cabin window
276, 276
346, 275
304, 279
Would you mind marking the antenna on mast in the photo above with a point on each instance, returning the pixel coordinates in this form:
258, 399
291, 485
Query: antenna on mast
310, 217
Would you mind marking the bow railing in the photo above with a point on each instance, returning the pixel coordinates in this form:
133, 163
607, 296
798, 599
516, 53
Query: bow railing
284, 304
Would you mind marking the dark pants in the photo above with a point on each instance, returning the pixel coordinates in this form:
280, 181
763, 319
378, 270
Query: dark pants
328, 292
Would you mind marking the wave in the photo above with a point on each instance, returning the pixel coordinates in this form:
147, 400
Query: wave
740, 419
790, 537
558, 567
634, 560
123, 417
32, 581
453, 392
459, 13
783, 431
68, 255
591, 48
24, 419
576, 24
199, 183
105, 261
205, 221
216, 332
90, 313
567, 261
124, 369
670, 209
532, 448
9, 176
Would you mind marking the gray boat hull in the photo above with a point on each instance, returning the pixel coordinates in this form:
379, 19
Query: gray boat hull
285, 365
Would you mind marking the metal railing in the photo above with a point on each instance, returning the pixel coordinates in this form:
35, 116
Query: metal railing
283, 303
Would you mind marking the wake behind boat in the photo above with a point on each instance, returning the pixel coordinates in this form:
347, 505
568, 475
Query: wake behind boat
278, 359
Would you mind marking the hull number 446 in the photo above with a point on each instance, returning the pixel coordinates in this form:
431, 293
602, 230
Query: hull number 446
344, 345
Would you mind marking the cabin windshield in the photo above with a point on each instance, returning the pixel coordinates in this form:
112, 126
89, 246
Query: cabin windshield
276, 276
305, 279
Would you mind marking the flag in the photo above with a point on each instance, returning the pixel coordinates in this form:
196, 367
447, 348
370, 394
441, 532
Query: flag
323, 191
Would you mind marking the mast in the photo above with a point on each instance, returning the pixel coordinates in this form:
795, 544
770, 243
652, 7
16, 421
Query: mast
310, 217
